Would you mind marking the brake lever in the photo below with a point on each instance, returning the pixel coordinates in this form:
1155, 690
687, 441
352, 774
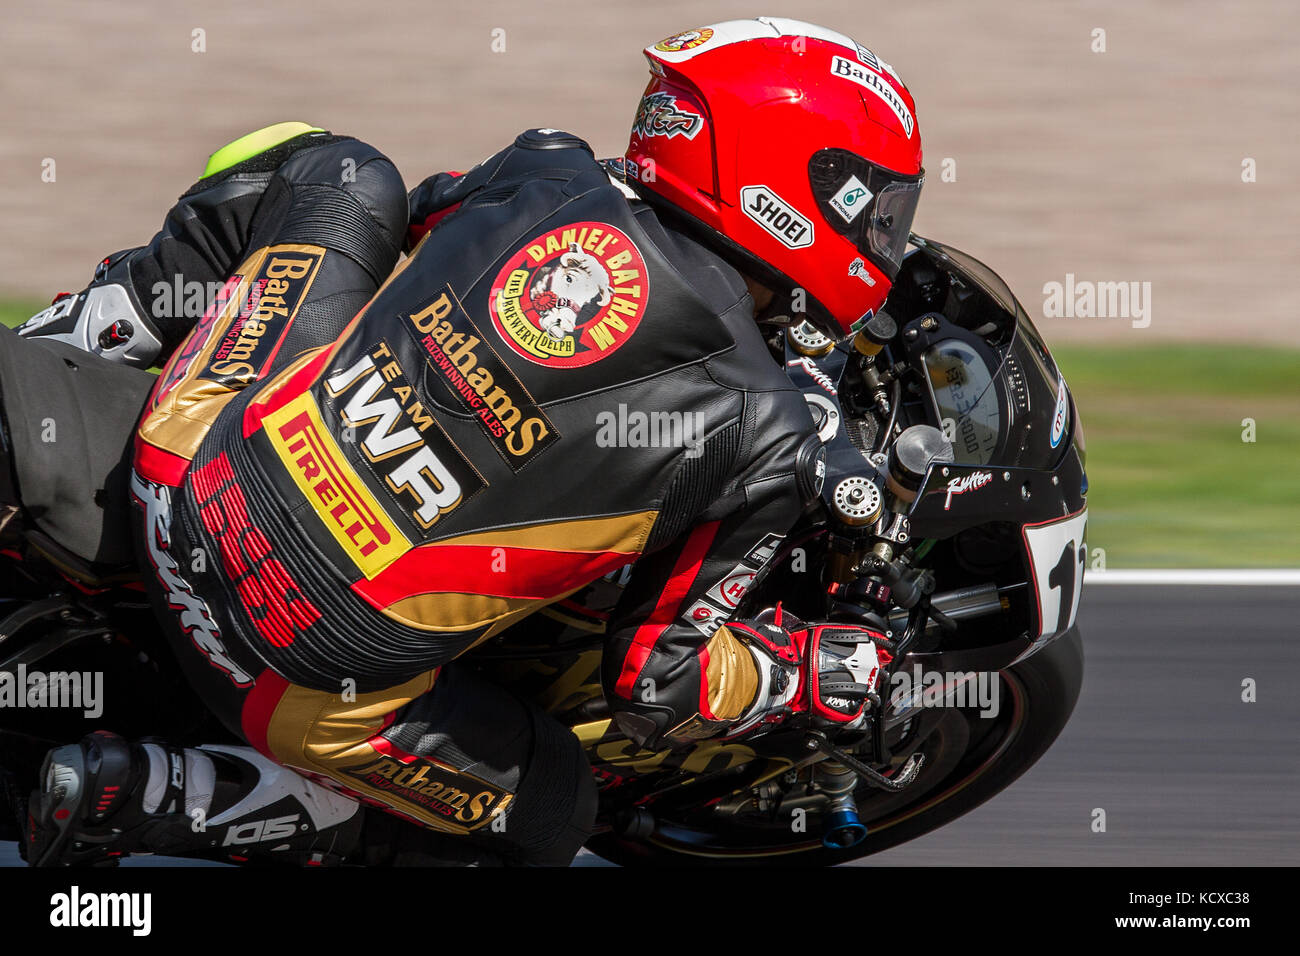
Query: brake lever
816, 740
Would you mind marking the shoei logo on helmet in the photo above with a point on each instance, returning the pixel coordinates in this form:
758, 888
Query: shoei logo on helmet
685, 41
659, 115
777, 216
572, 296
1062, 407
851, 199
876, 83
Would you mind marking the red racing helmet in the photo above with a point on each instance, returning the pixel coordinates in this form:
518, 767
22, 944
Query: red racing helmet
793, 149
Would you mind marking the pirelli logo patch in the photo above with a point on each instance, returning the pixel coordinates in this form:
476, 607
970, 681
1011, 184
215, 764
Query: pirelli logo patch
338, 496
276, 291
479, 381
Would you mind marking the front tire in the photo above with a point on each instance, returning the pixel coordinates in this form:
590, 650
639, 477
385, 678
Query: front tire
967, 764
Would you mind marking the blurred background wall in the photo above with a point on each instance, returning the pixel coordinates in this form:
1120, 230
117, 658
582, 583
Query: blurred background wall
1117, 166
1147, 142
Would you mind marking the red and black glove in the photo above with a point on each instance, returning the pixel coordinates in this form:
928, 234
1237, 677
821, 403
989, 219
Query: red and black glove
831, 671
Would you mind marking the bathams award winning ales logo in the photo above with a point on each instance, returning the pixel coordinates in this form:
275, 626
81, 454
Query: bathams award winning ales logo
465, 800
480, 381
276, 290
572, 296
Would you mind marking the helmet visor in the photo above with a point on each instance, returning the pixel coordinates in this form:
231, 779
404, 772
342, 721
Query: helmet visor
868, 204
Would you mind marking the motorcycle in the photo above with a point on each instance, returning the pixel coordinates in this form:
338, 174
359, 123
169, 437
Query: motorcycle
952, 506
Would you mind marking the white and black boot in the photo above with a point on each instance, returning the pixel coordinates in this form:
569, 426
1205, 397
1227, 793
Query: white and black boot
106, 317
105, 797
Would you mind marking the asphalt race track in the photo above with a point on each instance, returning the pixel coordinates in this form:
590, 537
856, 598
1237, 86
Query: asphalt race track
1187, 773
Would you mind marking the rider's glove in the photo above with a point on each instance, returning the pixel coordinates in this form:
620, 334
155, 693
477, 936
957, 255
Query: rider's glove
830, 671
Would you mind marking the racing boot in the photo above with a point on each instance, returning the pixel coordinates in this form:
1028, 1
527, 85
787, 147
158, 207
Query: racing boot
105, 797
107, 317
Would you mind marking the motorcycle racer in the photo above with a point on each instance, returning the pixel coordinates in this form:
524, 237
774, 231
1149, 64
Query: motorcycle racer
347, 475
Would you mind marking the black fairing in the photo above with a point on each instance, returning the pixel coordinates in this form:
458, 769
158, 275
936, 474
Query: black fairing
995, 390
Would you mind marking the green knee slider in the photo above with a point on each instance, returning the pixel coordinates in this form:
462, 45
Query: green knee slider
254, 144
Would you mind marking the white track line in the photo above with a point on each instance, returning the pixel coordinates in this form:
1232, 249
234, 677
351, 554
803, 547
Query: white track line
1199, 576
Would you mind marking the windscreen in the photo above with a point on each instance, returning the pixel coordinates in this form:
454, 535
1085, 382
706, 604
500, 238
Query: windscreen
870, 205
1004, 400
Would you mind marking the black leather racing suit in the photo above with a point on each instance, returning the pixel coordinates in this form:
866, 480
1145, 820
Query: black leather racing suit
552, 386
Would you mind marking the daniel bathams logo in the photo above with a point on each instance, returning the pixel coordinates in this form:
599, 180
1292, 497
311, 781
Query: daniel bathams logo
685, 41
572, 296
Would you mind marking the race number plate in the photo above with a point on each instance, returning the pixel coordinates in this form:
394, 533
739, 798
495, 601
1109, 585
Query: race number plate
1057, 550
